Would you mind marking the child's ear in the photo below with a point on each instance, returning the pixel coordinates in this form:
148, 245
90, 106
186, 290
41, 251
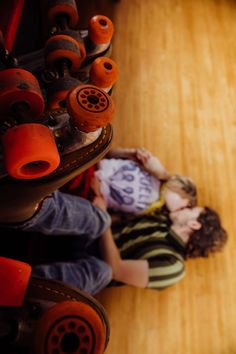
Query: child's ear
195, 225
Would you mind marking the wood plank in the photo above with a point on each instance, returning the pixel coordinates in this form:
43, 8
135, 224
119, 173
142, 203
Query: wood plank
176, 96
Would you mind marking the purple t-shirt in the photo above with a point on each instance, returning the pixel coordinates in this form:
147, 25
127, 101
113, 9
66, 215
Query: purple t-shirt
126, 186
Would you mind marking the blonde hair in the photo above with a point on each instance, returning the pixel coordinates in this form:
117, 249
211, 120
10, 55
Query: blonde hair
184, 186
181, 185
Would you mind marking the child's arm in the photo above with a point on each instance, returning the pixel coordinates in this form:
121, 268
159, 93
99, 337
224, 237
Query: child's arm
152, 164
149, 162
95, 185
122, 153
131, 272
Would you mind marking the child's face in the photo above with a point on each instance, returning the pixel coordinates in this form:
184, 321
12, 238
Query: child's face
174, 201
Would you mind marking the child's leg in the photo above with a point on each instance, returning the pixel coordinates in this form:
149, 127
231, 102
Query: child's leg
64, 214
89, 274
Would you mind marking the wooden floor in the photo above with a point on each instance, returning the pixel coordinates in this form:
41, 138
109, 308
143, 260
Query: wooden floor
176, 96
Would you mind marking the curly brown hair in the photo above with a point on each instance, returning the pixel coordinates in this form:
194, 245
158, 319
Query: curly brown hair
210, 238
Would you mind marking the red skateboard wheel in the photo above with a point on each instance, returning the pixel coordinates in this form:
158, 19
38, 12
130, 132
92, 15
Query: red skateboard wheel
103, 72
77, 37
30, 151
90, 107
14, 278
66, 7
70, 327
20, 86
63, 47
58, 91
100, 29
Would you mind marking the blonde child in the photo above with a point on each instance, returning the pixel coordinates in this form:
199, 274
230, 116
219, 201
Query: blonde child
134, 181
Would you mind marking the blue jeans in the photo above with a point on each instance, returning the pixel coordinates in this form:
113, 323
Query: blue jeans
64, 214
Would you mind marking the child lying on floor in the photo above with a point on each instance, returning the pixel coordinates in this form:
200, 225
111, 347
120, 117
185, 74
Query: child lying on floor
134, 181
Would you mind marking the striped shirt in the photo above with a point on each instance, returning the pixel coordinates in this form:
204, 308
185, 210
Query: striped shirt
149, 237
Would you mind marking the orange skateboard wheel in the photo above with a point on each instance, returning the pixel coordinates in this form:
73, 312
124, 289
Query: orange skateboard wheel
58, 91
63, 7
90, 107
20, 86
103, 72
30, 151
77, 37
14, 278
63, 47
100, 29
70, 327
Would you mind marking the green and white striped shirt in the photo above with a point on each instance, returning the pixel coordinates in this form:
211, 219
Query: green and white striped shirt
149, 237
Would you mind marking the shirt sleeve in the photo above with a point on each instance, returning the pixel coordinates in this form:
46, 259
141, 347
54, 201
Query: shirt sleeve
165, 269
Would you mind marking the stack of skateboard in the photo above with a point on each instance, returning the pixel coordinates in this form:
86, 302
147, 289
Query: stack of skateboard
54, 102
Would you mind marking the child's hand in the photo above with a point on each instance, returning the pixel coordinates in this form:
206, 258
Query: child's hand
143, 155
100, 202
152, 164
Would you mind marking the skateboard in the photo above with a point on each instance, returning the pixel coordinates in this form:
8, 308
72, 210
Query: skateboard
39, 316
